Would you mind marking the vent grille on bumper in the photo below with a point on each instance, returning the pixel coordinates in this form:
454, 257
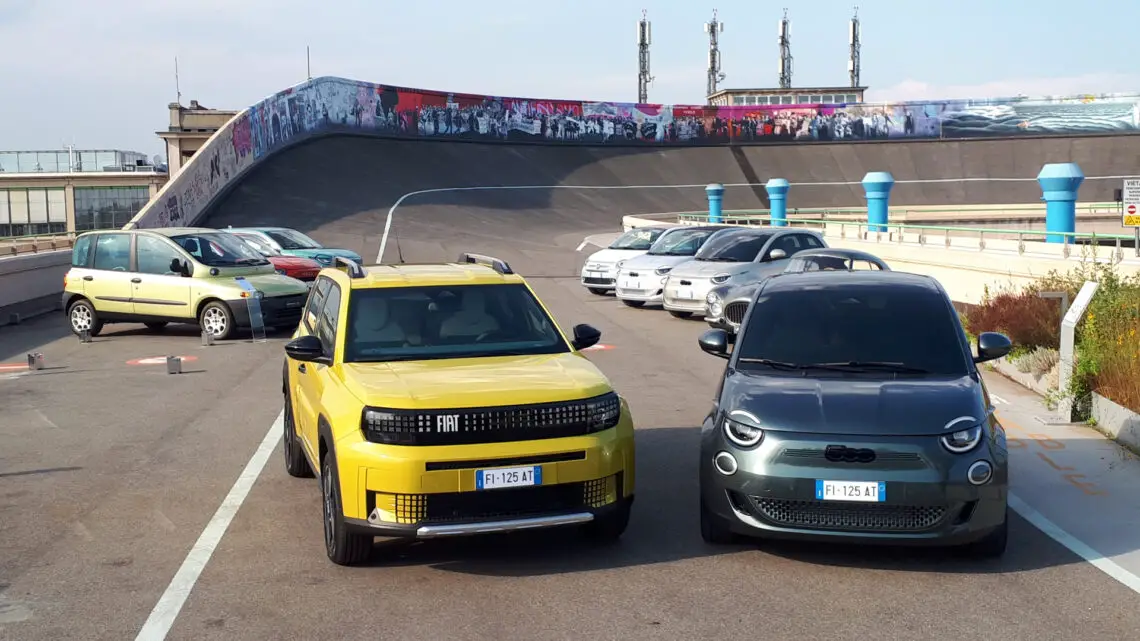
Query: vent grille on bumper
857, 517
591, 280
734, 312
521, 502
467, 426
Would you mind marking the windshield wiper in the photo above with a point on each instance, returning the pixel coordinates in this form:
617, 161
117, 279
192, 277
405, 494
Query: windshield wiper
771, 363
868, 365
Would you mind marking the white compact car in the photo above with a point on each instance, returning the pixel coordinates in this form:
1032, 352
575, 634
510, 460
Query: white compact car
732, 256
599, 273
641, 280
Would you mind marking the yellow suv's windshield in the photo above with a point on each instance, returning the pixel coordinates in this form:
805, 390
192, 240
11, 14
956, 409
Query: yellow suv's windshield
461, 321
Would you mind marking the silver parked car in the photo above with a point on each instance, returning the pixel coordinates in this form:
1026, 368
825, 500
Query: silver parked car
852, 409
599, 272
744, 255
641, 279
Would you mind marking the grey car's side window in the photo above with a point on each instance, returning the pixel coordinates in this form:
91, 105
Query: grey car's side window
807, 241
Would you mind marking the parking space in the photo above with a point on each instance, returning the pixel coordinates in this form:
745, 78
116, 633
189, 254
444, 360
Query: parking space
110, 472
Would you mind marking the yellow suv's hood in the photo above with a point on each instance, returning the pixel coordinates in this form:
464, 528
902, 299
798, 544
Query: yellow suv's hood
475, 382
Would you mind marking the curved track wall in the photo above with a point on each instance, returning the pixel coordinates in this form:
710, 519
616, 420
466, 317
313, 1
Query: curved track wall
835, 145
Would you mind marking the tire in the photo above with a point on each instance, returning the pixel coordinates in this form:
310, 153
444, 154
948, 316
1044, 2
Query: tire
81, 315
993, 546
677, 314
155, 326
597, 292
610, 527
713, 529
634, 303
217, 319
341, 546
295, 462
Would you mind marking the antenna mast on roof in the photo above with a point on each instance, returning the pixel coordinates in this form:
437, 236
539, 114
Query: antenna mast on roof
714, 28
853, 60
644, 39
177, 86
785, 41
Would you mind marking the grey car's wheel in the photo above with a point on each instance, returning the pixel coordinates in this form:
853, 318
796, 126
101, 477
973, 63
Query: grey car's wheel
713, 529
81, 316
295, 462
677, 314
993, 546
633, 303
342, 546
217, 320
597, 292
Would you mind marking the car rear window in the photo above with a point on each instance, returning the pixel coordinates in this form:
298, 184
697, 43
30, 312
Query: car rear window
910, 326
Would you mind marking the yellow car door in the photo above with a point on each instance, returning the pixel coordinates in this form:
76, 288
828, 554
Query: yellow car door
108, 283
159, 292
307, 389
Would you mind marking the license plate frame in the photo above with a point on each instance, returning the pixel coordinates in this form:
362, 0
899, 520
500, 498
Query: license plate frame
508, 477
851, 491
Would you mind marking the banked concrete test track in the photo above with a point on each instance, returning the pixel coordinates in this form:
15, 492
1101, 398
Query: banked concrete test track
111, 472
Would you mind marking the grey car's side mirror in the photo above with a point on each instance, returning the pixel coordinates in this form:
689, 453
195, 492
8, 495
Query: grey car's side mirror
715, 342
777, 254
991, 346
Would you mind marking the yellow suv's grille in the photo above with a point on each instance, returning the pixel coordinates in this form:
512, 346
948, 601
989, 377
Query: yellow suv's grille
509, 503
498, 424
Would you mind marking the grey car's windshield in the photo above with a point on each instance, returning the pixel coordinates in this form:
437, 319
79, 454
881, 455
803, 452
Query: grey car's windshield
637, 239
219, 249
680, 243
733, 248
292, 239
463, 321
856, 328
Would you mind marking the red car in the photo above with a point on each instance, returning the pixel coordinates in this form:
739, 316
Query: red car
303, 269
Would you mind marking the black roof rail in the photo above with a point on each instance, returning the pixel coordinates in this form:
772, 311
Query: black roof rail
354, 268
497, 264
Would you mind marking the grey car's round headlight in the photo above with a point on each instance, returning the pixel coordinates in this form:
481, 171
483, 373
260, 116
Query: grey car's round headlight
661, 271
962, 441
980, 472
742, 428
720, 278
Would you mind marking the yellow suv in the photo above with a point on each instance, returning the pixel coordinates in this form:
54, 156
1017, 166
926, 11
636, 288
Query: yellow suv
175, 275
443, 400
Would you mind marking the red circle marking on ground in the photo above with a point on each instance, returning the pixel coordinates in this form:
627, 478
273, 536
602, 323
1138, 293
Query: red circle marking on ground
598, 347
159, 360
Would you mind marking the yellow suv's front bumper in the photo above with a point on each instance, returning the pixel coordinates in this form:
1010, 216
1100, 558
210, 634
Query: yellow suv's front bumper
430, 491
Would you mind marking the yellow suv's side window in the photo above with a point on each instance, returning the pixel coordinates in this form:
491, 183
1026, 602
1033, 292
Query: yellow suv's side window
329, 317
316, 302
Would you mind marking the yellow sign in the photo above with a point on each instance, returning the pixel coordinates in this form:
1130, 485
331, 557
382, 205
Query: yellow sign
1132, 221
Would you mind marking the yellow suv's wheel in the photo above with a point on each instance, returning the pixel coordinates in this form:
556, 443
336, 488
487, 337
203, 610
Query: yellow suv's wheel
342, 546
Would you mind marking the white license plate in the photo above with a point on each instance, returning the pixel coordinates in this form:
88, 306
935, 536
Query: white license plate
867, 492
685, 294
508, 477
596, 274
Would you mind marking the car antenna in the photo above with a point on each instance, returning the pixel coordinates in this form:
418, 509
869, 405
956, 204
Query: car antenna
399, 252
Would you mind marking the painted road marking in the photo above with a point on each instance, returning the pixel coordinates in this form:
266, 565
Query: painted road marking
13, 367
1050, 444
158, 360
998, 400
598, 347
1074, 545
579, 247
162, 617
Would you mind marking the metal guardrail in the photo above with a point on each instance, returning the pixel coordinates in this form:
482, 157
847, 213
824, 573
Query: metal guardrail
897, 232
967, 211
17, 245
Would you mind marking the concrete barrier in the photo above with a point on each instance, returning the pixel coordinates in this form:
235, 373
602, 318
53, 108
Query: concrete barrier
31, 284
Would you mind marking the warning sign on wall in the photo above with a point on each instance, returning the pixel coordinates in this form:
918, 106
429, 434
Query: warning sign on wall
1132, 202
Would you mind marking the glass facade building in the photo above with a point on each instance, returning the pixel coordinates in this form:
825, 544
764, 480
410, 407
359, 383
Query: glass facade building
76, 160
31, 211
107, 207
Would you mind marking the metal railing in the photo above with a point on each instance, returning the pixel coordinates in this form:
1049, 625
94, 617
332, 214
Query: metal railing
897, 232
37, 243
965, 211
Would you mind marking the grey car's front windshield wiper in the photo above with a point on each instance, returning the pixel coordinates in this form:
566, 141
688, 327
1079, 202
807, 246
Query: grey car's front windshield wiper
771, 363
868, 365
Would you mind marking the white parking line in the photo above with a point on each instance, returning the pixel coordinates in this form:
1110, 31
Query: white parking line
1075, 545
162, 617
999, 400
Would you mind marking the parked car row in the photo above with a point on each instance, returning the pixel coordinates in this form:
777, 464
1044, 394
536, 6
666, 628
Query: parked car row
191, 275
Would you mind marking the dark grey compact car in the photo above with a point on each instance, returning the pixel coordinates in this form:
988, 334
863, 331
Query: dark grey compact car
725, 305
851, 408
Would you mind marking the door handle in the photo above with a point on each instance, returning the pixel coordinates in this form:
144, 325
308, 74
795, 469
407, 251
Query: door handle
301, 368
88, 278
136, 280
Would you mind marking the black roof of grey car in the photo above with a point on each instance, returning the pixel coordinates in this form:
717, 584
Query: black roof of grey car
839, 251
841, 279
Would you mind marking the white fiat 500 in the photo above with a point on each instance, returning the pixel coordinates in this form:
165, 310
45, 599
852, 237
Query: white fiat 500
641, 280
599, 273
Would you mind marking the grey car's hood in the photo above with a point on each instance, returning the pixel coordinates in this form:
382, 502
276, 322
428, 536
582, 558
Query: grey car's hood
705, 269
854, 404
648, 263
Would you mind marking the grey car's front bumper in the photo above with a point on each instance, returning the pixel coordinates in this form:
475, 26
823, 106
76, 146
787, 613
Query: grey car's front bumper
928, 499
